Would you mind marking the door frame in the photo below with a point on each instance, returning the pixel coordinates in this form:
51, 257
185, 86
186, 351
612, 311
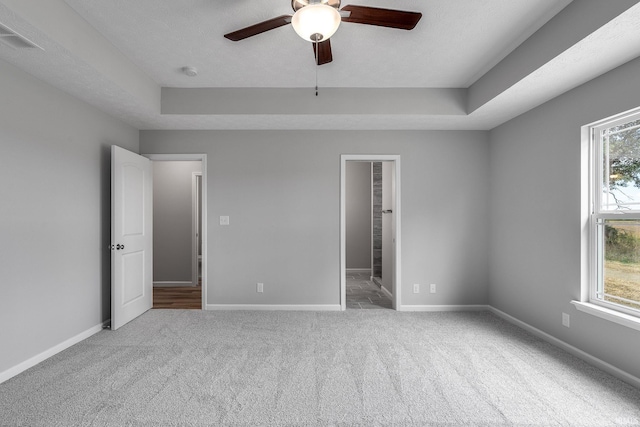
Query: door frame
202, 158
397, 282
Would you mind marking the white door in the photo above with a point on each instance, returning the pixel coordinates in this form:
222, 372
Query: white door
388, 207
196, 235
131, 236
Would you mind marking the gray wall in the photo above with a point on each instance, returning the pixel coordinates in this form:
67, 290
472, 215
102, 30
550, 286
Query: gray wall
172, 220
536, 218
358, 214
55, 211
281, 190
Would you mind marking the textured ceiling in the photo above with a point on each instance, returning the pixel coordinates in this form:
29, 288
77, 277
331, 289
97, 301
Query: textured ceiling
118, 54
454, 43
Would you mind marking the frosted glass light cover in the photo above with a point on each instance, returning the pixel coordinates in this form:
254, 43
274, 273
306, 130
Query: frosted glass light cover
316, 19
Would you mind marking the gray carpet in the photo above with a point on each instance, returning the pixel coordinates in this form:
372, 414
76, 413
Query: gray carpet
354, 368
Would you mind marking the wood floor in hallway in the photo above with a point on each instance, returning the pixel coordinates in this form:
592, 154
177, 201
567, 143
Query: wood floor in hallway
189, 297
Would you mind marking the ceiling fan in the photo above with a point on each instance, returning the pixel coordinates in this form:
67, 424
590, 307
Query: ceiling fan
317, 20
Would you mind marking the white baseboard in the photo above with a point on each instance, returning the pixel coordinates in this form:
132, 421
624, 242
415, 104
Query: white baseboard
167, 284
435, 308
592, 360
358, 270
29, 363
386, 292
276, 307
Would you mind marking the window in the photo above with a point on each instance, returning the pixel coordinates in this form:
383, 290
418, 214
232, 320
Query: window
615, 214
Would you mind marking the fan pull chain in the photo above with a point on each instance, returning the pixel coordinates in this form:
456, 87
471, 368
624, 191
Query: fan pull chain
317, 64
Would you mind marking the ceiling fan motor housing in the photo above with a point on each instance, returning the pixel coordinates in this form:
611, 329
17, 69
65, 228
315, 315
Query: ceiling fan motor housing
299, 4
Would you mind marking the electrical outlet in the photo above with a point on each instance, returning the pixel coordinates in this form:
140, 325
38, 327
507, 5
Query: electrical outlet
432, 288
566, 320
416, 288
260, 287
224, 220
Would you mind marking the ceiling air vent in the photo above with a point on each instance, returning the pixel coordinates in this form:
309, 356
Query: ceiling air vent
14, 40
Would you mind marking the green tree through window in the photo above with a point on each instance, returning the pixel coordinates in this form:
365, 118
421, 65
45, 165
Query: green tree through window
616, 214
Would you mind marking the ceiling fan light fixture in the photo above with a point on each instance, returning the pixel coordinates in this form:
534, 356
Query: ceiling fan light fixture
316, 22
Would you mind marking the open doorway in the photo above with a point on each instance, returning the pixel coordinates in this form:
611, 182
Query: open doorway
370, 231
364, 201
179, 217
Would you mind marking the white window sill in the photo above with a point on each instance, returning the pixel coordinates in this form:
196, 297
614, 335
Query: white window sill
608, 314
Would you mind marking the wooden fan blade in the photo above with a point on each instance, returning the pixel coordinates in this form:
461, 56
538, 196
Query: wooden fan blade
324, 55
259, 28
382, 17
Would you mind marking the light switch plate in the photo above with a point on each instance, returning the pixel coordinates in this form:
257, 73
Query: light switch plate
224, 220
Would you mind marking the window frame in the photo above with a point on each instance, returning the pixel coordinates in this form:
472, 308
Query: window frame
596, 214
